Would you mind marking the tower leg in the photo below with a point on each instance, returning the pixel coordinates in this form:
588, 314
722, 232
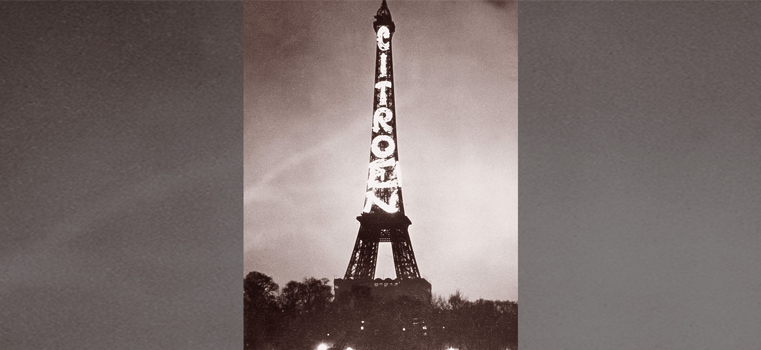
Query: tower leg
364, 256
404, 257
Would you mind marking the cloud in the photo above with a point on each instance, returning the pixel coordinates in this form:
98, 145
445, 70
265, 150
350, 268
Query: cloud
263, 190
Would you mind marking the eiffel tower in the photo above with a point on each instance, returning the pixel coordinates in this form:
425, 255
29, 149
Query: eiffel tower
383, 219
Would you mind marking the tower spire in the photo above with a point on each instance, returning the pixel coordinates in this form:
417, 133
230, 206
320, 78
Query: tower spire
383, 18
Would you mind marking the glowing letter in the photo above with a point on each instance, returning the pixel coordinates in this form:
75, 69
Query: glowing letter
389, 207
379, 185
383, 65
378, 168
381, 117
378, 171
368, 201
387, 151
383, 85
383, 34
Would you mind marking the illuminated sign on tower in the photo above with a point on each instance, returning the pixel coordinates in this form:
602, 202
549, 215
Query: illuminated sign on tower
383, 186
383, 219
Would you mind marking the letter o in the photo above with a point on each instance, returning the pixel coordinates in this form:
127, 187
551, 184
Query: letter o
386, 152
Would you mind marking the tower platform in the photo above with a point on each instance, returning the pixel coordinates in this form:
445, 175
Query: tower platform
348, 290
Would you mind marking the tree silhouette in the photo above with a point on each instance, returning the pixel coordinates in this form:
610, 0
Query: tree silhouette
457, 300
260, 309
305, 312
308, 296
304, 315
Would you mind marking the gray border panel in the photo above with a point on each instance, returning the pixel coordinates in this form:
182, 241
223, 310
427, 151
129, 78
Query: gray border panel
639, 163
121, 175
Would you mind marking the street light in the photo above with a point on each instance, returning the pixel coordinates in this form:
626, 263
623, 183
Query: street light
322, 346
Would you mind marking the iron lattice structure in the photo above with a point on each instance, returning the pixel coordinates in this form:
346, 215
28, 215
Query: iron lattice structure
383, 218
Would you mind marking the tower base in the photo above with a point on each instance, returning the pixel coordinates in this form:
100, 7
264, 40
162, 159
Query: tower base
352, 290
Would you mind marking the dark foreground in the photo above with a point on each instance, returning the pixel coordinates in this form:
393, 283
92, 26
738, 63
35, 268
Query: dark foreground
304, 316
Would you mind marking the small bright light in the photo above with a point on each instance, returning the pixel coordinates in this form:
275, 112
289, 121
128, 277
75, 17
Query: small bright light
452, 348
349, 348
322, 346
424, 327
363, 321
362, 328
404, 329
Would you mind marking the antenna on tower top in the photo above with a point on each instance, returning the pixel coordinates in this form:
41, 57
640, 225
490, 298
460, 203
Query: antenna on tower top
383, 17
383, 11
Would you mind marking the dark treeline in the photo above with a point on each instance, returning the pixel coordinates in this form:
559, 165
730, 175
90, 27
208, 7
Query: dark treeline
303, 315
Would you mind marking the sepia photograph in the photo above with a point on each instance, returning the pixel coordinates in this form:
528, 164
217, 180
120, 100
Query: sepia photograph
345, 251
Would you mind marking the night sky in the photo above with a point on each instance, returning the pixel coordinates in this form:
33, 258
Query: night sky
308, 107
